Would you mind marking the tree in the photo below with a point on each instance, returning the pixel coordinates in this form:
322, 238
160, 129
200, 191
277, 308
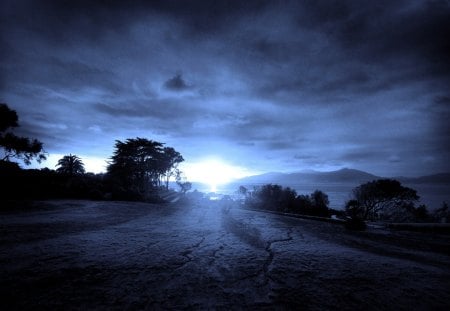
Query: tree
421, 214
303, 204
18, 147
182, 182
134, 164
353, 209
139, 164
319, 203
381, 196
269, 196
354, 212
71, 165
442, 214
8, 118
287, 199
242, 191
315, 204
170, 158
273, 197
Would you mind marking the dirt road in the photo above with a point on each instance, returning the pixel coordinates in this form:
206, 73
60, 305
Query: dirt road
135, 256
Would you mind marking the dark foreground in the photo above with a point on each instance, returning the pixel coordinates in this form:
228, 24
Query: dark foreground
133, 256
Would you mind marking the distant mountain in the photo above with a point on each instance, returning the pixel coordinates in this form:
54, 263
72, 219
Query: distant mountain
442, 178
344, 175
338, 185
341, 176
262, 179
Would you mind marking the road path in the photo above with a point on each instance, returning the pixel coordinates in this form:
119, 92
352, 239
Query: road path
197, 255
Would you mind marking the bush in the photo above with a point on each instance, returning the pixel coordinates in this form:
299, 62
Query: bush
442, 214
272, 197
276, 198
383, 199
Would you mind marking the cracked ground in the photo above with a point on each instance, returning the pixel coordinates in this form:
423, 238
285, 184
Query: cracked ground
210, 255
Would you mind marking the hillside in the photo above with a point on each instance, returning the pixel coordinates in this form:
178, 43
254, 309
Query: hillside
442, 178
341, 176
345, 175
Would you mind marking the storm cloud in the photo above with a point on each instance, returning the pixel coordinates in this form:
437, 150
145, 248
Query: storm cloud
267, 85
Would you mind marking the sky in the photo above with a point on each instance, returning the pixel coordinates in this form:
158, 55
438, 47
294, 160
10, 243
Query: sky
259, 86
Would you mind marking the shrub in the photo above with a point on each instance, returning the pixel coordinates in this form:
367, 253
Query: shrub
276, 198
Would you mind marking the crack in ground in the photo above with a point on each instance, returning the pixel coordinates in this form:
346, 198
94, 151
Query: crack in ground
245, 232
214, 254
187, 252
264, 271
269, 260
215, 251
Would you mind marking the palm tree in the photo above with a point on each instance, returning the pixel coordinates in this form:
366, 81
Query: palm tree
70, 164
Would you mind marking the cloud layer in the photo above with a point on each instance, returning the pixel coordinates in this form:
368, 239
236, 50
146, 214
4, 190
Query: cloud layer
265, 85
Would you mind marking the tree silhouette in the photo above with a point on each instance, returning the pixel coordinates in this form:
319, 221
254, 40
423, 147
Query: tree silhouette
303, 204
71, 165
242, 191
442, 214
421, 213
320, 202
182, 182
355, 214
139, 165
380, 196
274, 197
170, 158
315, 204
8, 118
21, 148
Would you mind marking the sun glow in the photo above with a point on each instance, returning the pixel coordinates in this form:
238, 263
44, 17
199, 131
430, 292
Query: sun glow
213, 172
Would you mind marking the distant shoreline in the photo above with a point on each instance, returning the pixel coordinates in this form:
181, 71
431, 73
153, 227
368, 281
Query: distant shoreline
431, 194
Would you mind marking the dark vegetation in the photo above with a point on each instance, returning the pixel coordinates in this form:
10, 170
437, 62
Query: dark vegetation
140, 166
128, 180
383, 200
388, 201
276, 198
71, 165
14, 146
140, 170
41, 184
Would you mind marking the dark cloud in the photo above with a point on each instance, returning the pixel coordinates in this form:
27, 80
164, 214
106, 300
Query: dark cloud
176, 83
442, 102
269, 85
166, 118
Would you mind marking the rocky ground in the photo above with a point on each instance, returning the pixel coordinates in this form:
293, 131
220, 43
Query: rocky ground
210, 255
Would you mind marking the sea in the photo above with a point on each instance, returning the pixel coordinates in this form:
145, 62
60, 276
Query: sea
432, 195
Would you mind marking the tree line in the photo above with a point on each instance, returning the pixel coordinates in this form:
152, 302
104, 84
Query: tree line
137, 170
274, 197
140, 167
385, 200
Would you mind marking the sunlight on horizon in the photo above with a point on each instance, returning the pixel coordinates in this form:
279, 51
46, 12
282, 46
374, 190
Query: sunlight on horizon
213, 172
